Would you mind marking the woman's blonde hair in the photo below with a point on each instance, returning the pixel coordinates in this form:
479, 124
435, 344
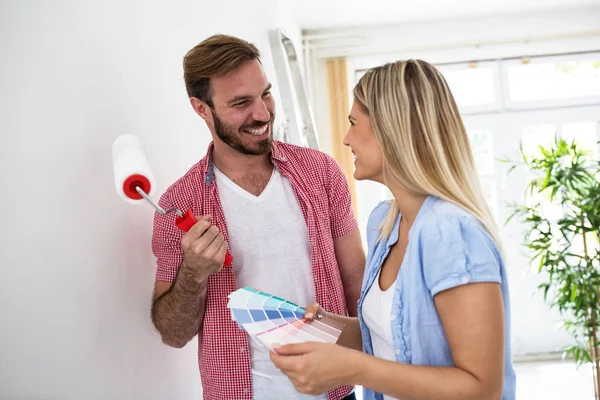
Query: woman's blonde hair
424, 143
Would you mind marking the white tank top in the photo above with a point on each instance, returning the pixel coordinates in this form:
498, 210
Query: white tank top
377, 313
268, 240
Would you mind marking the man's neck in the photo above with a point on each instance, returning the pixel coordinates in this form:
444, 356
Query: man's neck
232, 163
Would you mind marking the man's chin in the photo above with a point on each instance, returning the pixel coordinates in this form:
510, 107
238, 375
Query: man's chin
264, 146
258, 147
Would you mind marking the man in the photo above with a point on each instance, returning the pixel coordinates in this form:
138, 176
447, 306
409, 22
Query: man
283, 211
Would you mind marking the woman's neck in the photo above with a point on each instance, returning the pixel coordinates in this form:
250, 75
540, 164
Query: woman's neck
408, 203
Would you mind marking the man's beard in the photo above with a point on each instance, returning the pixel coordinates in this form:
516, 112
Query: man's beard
234, 140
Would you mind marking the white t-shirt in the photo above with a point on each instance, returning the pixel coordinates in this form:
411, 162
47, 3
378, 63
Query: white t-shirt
268, 240
377, 313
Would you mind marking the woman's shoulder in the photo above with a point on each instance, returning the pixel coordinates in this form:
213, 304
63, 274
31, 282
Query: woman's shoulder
444, 214
448, 225
455, 248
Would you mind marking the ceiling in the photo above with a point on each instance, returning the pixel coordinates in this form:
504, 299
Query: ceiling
324, 14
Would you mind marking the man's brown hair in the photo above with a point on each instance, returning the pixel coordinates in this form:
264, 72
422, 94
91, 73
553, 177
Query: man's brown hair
215, 56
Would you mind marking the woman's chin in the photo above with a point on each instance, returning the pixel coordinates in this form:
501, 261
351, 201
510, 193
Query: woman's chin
359, 176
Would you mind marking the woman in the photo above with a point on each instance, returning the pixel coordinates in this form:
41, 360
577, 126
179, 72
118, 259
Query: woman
434, 313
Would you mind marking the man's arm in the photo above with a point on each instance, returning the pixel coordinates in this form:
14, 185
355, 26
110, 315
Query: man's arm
346, 236
351, 261
178, 308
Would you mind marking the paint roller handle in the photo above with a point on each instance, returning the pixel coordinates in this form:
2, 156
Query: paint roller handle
186, 222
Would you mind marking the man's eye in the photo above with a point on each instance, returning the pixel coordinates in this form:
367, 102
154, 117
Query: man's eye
266, 94
243, 103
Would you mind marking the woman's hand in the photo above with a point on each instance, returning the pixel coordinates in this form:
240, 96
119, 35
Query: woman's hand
314, 311
350, 337
314, 368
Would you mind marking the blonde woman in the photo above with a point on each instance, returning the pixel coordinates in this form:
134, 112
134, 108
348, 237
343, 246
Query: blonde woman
434, 313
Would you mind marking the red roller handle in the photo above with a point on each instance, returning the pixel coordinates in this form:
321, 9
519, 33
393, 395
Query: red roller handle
186, 222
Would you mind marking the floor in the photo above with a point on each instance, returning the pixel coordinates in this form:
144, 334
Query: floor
550, 380
554, 380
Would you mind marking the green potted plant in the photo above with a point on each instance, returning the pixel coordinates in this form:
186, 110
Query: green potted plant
566, 249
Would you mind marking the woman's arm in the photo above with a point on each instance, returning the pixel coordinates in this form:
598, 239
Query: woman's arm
472, 316
351, 336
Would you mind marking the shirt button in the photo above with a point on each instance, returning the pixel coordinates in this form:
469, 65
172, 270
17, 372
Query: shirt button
465, 279
393, 317
398, 351
246, 390
242, 349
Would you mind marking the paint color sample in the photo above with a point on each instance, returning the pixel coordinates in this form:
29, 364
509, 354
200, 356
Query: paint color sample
275, 321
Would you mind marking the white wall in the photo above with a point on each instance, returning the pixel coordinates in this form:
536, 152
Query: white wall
76, 261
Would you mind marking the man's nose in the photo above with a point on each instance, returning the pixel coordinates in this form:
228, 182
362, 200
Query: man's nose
261, 112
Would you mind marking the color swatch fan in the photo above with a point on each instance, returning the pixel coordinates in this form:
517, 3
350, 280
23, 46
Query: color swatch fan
273, 320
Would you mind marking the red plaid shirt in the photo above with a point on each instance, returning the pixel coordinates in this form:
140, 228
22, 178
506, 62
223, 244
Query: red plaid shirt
322, 193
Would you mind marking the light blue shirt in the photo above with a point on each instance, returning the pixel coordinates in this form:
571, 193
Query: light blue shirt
447, 247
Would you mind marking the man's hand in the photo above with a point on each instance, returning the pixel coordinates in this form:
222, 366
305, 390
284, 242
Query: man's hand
204, 249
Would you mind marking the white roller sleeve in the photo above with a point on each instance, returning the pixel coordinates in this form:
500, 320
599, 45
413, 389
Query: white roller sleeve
131, 167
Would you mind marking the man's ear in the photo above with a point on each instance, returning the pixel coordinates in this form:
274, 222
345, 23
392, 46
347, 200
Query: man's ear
201, 108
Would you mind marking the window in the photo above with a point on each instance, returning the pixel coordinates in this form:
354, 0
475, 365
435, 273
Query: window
483, 152
481, 141
473, 85
536, 136
584, 134
552, 82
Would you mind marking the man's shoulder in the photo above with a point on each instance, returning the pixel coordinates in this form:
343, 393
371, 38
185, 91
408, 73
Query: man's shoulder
188, 184
304, 155
293, 150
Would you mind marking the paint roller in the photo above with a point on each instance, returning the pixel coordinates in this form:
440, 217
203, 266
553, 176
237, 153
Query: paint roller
135, 182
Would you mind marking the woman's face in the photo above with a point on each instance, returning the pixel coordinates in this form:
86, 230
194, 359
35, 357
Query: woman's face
368, 159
